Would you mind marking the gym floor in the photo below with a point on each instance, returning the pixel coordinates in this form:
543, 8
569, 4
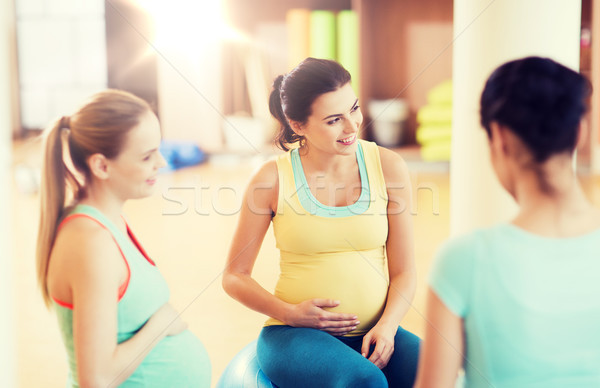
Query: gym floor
186, 228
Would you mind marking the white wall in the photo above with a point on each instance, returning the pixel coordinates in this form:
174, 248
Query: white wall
7, 348
62, 56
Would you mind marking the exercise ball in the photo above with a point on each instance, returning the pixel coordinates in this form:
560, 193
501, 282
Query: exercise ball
244, 372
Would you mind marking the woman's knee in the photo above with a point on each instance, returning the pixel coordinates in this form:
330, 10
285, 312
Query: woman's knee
401, 370
365, 377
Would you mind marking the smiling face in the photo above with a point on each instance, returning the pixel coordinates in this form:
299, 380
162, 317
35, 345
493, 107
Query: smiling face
132, 174
334, 122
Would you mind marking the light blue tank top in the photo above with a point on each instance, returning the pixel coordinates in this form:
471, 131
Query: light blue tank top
176, 361
529, 304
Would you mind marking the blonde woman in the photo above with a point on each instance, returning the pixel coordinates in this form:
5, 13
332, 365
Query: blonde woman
111, 301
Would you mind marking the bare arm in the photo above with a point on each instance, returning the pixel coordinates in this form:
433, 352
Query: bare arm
92, 273
255, 217
260, 202
442, 350
400, 255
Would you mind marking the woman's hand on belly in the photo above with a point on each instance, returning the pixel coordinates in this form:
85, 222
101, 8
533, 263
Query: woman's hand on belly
311, 313
169, 319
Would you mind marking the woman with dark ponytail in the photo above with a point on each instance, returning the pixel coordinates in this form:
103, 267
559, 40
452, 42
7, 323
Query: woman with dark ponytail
516, 305
111, 301
339, 208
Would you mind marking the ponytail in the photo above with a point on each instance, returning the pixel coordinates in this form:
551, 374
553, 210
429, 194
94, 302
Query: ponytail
52, 197
286, 134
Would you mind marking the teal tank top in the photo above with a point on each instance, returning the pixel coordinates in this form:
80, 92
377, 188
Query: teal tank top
176, 361
313, 206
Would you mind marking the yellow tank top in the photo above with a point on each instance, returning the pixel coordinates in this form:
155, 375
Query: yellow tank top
333, 252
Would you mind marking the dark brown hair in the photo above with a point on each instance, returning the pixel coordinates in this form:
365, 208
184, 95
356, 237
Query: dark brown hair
294, 93
540, 100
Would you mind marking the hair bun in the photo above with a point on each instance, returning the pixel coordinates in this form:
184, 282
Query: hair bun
277, 82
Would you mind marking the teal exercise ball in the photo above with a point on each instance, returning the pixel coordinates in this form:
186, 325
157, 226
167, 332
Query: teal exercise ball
244, 372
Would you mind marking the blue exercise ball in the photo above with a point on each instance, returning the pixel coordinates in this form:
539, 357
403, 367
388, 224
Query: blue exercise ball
243, 371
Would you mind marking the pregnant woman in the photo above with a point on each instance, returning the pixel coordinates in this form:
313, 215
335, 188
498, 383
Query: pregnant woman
516, 304
339, 208
111, 301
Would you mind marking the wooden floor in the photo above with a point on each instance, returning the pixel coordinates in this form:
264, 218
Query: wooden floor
186, 227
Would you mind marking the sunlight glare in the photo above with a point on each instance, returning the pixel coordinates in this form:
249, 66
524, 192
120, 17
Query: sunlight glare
185, 24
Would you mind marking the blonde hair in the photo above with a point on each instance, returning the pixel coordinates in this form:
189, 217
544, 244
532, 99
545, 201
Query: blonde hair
99, 126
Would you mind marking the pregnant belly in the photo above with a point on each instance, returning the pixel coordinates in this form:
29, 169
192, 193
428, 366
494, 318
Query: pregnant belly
176, 361
357, 280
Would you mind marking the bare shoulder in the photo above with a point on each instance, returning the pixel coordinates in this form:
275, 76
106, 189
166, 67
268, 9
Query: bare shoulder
393, 165
83, 246
266, 174
82, 229
263, 189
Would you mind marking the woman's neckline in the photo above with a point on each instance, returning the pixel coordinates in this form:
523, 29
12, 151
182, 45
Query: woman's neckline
304, 186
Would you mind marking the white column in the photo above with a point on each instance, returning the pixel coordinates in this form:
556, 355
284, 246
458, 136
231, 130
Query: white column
190, 97
595, 119
488, 33
7, 349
